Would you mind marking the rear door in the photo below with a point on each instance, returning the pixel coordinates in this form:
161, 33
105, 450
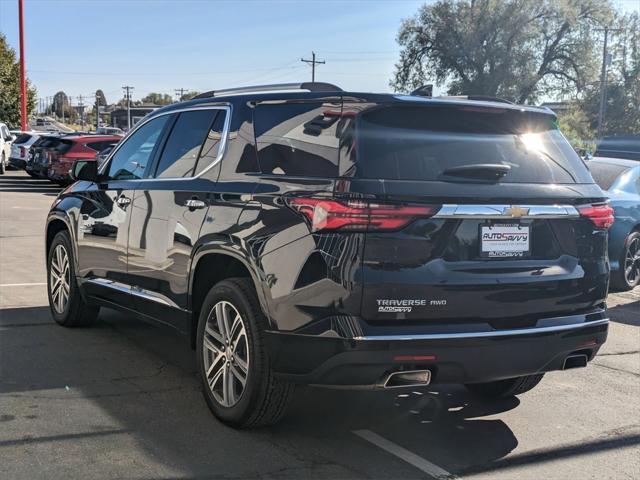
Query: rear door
168, 210
501, 232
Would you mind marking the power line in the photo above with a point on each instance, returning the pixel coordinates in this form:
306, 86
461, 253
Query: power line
313, 62
180, 93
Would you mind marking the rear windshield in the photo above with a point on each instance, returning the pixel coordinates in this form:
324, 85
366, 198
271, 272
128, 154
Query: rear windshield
63, 146
606, 174
22, 138
421, 143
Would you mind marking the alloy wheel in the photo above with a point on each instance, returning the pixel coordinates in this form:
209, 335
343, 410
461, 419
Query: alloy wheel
60, 279
632, 262
226, 354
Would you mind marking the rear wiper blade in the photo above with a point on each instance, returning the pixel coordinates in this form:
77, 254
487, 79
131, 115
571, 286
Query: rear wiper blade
484, 171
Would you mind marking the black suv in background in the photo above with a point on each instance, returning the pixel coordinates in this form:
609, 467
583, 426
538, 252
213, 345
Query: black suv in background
303, 234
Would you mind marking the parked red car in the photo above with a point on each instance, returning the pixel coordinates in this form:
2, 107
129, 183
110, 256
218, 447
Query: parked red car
70, 149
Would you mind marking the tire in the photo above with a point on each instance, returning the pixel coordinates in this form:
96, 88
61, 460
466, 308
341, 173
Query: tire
74, 312
628, 275
2, 164
505, 388
263, 399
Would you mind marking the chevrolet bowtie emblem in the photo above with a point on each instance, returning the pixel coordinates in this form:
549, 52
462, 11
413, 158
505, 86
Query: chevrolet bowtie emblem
515, 211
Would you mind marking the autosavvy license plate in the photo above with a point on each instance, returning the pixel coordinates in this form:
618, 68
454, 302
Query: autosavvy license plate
499, 241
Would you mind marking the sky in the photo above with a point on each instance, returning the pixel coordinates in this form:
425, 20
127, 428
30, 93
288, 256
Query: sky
79, 46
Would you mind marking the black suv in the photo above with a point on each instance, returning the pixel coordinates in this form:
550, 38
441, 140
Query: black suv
303, 234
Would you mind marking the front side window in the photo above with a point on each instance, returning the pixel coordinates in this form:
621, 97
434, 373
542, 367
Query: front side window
131, 159
183, 146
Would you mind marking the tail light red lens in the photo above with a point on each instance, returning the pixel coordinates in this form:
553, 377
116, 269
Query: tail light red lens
23, 152
356, 215
600, 215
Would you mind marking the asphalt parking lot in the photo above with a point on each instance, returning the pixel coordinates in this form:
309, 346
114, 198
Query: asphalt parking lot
121, 400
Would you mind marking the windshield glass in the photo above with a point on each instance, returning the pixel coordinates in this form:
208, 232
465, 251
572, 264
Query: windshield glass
423, 143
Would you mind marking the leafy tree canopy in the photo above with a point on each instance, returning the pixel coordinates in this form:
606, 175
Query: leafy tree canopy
158, 99
10, 86
514, 49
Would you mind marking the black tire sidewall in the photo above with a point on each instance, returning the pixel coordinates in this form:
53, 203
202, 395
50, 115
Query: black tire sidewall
62, 238
619, 278
240, 413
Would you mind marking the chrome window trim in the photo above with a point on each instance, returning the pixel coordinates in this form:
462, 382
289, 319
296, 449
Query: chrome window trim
492, 333
221, 150
480, 211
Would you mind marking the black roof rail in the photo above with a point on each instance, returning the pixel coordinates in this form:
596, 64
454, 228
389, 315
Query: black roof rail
309, 86
479, 98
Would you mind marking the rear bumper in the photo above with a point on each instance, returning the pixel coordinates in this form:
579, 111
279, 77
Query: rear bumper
18, 163
469, 357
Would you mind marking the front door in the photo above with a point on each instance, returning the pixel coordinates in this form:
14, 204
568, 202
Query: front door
105, 216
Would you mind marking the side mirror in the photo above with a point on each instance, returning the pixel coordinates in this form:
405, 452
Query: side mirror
85, 170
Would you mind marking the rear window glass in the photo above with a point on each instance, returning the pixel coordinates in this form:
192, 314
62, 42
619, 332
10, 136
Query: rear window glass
62, 146
422, 143
22, 138
606, 174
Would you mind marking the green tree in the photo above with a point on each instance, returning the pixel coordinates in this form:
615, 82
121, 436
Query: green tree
575, 125
515, 49
157, 99
10, 86
102, 100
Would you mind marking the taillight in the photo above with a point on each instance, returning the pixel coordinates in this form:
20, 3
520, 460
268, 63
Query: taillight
23, 152
357, 215
600, 215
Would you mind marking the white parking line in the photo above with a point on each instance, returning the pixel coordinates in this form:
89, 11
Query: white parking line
21, 284
420, 463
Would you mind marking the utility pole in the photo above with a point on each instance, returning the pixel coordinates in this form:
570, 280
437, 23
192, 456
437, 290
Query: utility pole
23, 77
127, 90
603, 84
180, 93
606, 62
97, 111
81, 110
313, 62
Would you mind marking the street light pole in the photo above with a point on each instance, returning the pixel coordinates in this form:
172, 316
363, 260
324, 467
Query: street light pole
23, 77
603, 84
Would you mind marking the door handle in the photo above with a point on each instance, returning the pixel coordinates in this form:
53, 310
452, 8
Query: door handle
123, 201
195, 203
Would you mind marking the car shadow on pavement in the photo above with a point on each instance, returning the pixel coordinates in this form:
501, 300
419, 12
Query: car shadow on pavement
130, 389
626, 313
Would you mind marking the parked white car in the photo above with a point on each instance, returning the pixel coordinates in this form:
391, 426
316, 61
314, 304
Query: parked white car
20, 148
5, 147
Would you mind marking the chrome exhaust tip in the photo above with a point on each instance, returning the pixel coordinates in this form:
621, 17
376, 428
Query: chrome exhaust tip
575, 361
408, 378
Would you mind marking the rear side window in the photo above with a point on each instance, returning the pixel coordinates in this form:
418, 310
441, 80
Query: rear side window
298, 139
183, 146
421, 143
212, 142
